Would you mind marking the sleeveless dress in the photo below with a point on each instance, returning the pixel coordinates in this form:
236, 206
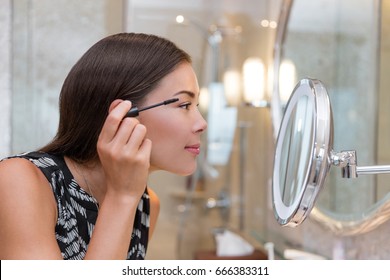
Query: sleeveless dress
78, 211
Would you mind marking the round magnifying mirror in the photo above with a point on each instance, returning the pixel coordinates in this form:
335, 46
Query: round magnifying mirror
302, 154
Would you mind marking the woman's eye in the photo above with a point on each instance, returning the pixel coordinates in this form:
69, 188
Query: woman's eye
185, 106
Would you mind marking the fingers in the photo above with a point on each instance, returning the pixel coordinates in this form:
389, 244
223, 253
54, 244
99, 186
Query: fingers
114, 104
130, 133
117, 111
123, 135
145, 148
124, 152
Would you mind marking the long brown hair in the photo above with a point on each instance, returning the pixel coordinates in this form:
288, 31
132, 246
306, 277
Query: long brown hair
121, 66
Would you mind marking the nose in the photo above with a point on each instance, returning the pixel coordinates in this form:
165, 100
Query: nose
201, 124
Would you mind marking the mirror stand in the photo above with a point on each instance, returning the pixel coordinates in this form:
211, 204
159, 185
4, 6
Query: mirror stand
349, 169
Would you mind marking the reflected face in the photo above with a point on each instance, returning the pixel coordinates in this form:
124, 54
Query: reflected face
175, 129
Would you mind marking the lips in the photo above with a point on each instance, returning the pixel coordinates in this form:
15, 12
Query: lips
193, 149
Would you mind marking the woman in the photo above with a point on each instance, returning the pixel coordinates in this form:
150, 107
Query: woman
84, 195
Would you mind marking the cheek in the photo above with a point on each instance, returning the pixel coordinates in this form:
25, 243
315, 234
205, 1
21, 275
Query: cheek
162, 129
169, 139
167, 150
165, 135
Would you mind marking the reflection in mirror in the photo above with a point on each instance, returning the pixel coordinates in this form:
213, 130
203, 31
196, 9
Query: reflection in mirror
296, 148
301, 160
345, 37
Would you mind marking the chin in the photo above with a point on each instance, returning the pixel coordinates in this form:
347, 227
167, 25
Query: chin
178, 169
185, 172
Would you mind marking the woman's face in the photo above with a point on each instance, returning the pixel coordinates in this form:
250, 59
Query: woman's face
175, 129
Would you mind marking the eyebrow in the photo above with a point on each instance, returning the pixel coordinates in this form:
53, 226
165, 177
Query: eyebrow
189, 93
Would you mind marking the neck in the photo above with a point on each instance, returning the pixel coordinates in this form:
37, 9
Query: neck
89, 176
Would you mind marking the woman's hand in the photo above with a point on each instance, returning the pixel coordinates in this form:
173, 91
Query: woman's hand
124, 152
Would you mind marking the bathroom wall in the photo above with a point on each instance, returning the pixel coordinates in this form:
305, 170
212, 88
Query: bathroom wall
44, 50
5, 77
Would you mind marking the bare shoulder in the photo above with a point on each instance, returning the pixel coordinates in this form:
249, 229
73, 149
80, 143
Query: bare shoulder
154, 210
154, 200
19, 176
14, 164
27, 211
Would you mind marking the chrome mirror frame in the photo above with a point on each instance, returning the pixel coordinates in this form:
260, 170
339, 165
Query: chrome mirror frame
319, 162
322, 157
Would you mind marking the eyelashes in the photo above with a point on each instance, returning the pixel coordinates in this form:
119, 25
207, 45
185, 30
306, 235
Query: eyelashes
185, 105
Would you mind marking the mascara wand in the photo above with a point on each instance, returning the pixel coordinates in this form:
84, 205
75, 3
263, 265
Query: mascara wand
134, 112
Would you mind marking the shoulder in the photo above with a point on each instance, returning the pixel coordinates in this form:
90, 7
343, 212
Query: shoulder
18, 169
154, 210
23, 182
28, 211
154, 200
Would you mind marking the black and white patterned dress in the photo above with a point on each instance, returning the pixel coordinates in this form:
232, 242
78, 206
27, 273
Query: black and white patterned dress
78, 211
